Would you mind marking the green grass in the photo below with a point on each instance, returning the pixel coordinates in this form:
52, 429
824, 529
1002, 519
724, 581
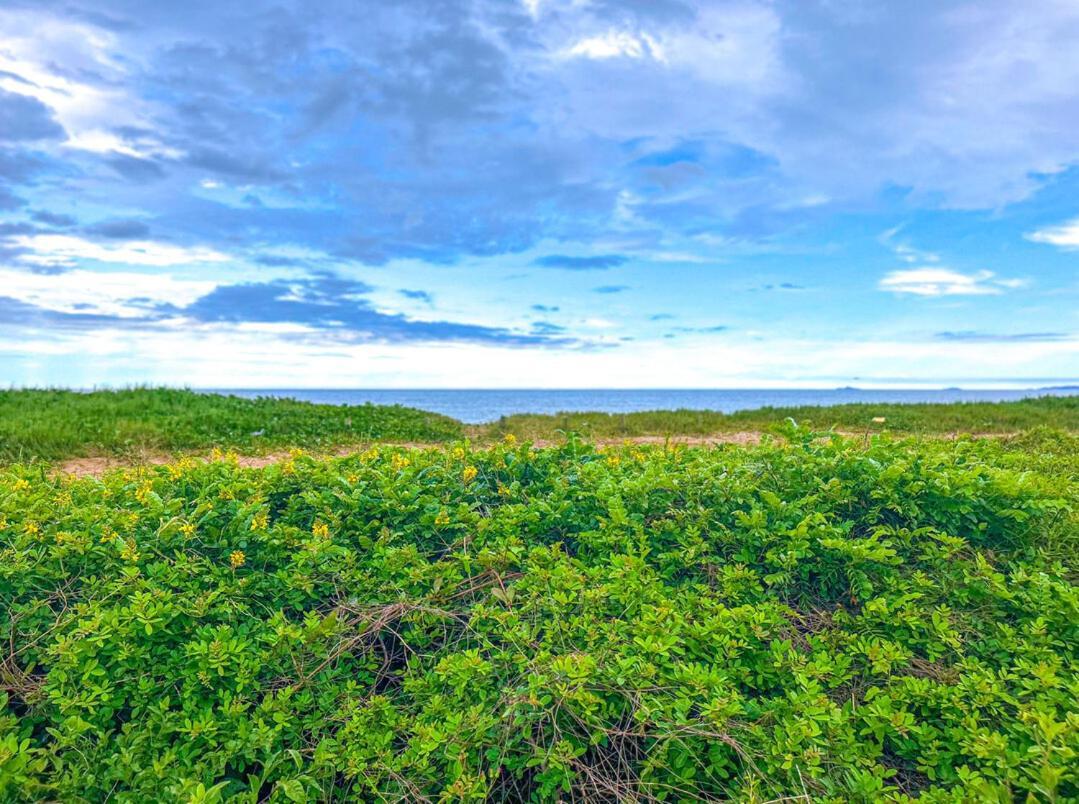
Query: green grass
54, 425
961, 417
51, 425
825, 619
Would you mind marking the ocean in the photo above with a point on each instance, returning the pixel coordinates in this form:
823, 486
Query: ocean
485, 405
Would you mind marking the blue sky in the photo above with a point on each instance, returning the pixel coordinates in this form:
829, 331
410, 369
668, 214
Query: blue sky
539, 193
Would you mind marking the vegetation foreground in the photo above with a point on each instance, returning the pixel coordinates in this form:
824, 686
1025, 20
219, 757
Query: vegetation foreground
813, 618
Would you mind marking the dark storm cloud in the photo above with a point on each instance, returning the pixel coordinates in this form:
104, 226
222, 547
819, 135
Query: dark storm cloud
418, 295
599, 262
789, 286
547, 328
655, 10
1000, 337
135, 169
17, 78
120, 229
102, 20
16, 313
402, 119
19, 166
26, 118
245, 167
706, 330
333, 308
53, 218
336, 306
7, 229
8, 199
277, 261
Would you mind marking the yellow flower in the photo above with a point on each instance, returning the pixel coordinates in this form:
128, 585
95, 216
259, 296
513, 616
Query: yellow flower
503, 491
510, 439
321, 530
128, 551
260, 521
399, 462
458, 453
187, 529
31, 529
613, 460
442, 519
22, 484
175, 471
237, 559
469, 474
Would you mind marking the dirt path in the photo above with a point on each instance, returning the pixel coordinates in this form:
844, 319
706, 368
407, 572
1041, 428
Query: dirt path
97, 466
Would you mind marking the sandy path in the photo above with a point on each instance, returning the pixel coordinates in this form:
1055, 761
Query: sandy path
97, 466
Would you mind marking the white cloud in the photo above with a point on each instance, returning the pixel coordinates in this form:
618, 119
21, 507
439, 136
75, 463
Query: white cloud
598, 323
614, 44
1066, 235
224, 356
124, 294
905, 251
932, 281
65, 250
911, 254
49, 53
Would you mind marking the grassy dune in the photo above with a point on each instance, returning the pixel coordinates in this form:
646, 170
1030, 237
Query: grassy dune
53, 425
59, 424
960, 417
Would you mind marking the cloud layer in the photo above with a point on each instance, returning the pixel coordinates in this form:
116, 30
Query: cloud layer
468, 174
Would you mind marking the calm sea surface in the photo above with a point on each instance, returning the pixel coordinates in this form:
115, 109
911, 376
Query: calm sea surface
475, 406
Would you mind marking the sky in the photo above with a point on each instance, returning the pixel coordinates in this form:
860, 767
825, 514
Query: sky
539, 193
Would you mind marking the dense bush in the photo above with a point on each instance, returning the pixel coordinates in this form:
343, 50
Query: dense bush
821, 618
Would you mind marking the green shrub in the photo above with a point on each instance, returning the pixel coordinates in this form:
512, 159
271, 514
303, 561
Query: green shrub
818, 617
